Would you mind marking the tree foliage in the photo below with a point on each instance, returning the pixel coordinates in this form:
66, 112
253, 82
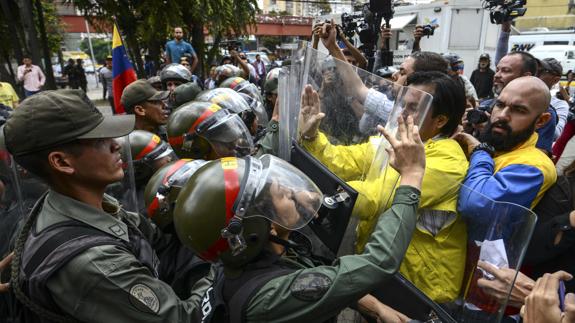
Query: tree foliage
101, 48
147, 24
16, 37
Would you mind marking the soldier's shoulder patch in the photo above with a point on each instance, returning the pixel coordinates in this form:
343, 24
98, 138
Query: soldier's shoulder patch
144, 299
310, 286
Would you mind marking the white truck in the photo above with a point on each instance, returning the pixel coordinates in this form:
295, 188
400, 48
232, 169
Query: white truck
525, 41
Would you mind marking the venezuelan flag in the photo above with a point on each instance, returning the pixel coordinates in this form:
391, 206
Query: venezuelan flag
122, 70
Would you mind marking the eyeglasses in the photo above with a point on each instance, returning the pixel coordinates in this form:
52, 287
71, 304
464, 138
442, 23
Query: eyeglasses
243, 57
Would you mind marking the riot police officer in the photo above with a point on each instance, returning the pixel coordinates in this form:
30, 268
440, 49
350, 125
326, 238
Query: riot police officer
101, 267
240, 211
148, 153
174, 75
185, 93
203, 130
179, 265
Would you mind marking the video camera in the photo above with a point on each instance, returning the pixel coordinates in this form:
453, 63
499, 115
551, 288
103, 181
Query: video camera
479, 115
366, 22
358, 22
428, 30
504, 10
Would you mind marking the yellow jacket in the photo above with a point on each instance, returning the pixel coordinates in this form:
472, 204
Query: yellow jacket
434, 263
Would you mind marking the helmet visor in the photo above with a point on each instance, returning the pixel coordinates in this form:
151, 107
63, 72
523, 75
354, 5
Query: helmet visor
225, 98
281, 193
227, 134
249, 89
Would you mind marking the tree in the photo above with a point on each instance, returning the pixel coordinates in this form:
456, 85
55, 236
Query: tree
28, 27
270, 42
320, 7
101, 48
146, 24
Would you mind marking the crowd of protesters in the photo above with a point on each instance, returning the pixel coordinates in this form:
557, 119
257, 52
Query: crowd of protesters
211, 236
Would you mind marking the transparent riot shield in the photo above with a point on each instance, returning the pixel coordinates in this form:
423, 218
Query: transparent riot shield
380, 181
125, 190
498, 236
289, 96
284, 109
353, 102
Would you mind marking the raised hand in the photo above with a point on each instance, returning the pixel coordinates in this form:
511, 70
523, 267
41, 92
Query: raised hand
406, 155
310, 115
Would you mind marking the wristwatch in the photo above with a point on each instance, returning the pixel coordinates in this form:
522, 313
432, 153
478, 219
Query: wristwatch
485, 147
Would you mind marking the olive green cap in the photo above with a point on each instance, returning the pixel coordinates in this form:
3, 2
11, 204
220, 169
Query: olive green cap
51, 118
140, 91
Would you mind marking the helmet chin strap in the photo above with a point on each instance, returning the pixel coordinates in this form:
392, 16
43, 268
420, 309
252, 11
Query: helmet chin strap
288, 244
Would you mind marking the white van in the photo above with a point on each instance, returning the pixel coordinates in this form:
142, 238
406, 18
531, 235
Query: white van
565, 54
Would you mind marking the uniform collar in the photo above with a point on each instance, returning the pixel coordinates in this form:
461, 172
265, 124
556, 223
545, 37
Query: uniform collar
107, 221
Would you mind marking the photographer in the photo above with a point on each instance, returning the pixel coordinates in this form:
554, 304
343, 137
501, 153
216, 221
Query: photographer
352, 54
385, 33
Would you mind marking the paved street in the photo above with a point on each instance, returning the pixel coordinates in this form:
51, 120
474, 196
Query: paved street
95, 94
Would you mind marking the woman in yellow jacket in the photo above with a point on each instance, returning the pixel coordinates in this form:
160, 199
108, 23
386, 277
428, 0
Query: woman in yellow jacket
435, 259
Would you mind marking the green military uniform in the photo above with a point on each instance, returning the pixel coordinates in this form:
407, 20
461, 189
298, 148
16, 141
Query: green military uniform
269, 144
107, 283
74, 261
317, 294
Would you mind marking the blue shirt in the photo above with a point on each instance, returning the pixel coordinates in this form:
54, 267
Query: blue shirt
176, 49
547, 132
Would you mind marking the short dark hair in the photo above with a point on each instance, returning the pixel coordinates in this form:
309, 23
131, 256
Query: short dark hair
529, 62
448, 98
37, 162
129, 109
429, 62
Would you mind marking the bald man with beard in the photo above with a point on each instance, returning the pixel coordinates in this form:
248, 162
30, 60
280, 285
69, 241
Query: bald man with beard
506, 165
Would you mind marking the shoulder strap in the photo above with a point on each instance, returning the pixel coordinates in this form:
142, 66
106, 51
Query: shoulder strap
67, 234
240, 299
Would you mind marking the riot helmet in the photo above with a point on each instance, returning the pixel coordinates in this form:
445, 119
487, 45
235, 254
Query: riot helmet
203, 130
185, 93
226, 98
271, 84
174, 74
240, 85
156, 82
225, 210
223, 72
149, 153
163, 188
249, 110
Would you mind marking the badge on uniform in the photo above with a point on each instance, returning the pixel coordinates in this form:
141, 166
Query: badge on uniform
310, 286
144, 299
117, 230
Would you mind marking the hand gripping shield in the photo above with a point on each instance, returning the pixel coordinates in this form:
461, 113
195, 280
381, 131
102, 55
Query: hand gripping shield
498, 236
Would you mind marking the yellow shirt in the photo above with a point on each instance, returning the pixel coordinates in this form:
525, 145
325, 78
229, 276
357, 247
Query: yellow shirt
7, 95
435, 263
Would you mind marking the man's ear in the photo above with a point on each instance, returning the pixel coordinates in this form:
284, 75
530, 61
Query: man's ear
61, 162
542, 120
440, 121
139, 110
